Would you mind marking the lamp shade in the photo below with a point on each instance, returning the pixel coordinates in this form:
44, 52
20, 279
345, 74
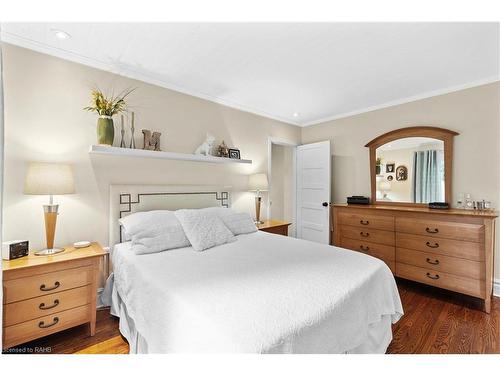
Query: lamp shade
257, 182
49, 179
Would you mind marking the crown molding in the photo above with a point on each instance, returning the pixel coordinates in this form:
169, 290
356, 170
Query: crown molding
408, 99
129, 72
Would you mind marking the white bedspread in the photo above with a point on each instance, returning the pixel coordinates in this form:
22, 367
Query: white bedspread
255, 295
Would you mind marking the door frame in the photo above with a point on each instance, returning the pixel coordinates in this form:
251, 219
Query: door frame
283, 142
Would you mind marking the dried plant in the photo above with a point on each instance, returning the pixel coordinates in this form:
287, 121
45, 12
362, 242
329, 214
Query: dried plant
108, 106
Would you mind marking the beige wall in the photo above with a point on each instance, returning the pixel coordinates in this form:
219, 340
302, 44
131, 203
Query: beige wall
474, 113
44, 120
281, 192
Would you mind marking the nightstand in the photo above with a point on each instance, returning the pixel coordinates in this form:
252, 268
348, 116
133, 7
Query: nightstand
46, 294
275, 226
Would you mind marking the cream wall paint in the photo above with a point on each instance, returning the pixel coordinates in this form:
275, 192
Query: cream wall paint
474, 113
44, 120
281, 193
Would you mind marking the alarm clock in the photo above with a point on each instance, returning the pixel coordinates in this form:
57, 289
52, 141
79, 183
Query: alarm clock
15, 249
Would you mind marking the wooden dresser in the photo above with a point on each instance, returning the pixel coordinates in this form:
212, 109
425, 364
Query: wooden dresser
451, 249
46, 294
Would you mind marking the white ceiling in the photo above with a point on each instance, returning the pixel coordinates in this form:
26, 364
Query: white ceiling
320, 70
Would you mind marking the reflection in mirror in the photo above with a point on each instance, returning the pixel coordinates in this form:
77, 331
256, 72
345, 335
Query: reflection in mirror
411, 170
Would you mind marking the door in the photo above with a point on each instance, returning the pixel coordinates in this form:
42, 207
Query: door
313, 192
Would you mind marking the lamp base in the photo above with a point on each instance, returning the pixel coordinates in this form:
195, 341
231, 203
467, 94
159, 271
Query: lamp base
47, 252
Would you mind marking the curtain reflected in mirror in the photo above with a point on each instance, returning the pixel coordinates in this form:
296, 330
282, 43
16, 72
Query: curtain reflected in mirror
411, 170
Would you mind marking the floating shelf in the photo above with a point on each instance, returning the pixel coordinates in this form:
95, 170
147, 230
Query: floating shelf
138, 153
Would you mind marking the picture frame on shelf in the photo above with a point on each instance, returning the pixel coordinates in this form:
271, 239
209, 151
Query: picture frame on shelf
234, 153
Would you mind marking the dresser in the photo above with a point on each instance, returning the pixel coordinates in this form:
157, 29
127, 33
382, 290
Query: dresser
46, 294
450, 249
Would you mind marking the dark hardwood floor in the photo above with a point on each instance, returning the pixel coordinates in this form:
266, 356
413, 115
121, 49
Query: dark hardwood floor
435, 321
440, 322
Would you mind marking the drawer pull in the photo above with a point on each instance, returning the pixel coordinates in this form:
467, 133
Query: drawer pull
43, 288
435, 277
363, 234
367, 248
431, 262
43, 325
429, 230
435, 246
364, 222
43, 307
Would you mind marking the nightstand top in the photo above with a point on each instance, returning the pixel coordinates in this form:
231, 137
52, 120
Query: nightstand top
273, 223
70, 253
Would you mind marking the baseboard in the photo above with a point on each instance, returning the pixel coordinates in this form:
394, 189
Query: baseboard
496, 287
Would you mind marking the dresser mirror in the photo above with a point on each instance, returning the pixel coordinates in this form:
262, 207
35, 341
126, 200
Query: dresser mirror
411, 166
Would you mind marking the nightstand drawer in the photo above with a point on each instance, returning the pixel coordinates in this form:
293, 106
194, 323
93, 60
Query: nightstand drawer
283, 230
48, 283
46, 325
18, 312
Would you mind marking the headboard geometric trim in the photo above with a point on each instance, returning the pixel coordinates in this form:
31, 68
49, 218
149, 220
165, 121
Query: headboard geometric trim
127, 199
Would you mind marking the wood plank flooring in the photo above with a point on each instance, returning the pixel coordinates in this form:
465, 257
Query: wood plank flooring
435, 321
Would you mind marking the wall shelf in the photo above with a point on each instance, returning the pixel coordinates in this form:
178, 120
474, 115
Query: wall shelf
138, 153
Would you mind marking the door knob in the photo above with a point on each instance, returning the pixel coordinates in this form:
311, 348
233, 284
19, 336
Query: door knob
325, 204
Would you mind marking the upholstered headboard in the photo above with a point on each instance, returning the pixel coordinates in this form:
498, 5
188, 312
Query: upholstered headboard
127, 199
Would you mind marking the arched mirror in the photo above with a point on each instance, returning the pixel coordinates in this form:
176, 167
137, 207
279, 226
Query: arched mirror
412, 166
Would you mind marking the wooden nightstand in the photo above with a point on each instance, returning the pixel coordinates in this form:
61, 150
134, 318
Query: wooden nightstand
46, 294
275, 226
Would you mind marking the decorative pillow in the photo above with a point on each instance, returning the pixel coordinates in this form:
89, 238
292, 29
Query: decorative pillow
236, 222
203, 228
154, 231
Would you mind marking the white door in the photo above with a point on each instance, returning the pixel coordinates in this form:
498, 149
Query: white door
313, 192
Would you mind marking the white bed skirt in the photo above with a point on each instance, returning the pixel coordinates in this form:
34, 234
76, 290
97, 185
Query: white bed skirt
378, 337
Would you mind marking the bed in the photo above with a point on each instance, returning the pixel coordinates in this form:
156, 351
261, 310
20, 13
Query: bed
262, 293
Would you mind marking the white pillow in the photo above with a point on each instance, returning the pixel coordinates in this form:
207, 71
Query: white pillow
203, 228
237, 222
154, 231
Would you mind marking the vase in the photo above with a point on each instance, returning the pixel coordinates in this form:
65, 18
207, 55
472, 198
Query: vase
105, 130
377, 169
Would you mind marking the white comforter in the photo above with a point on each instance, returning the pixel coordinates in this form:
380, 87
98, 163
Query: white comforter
254, 295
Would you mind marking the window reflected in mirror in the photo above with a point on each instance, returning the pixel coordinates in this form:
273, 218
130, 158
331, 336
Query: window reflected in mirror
411, 170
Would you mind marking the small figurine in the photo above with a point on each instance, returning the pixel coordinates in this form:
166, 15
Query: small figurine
206, 147
223, 150
151, 141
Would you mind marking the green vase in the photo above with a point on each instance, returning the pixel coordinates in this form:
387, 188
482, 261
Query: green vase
105, 130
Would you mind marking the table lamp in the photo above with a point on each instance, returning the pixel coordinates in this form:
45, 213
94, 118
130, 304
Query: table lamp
257, 182
49, 179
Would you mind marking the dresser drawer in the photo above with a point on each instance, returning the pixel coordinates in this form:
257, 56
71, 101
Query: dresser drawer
366, 221
383, 252
442, 263
32, 329
442, 229
440, 279
40, 285
442, 246
18, 312
370, 235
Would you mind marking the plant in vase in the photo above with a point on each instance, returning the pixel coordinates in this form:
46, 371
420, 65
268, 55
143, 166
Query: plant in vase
378, 165
106, 107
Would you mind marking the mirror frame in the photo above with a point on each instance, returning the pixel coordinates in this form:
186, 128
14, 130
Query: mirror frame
444, 135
